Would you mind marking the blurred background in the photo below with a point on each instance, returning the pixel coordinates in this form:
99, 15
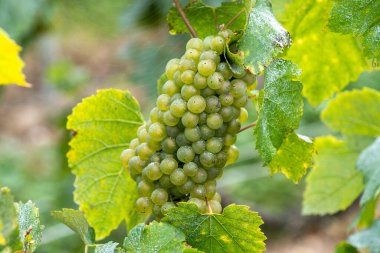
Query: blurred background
71, 49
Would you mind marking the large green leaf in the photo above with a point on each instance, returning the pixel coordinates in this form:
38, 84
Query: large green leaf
369, 165
29, 225
104, 126
281, 107
156, 237
263, 39
329, 61
206, 19
75, 220
334, 182
293, 158
360, 18
344, 247
235, 230
354, 112
368, 238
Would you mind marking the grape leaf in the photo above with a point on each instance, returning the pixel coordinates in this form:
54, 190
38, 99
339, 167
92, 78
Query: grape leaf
235, 230
332, 184
75, 220
354, 112
329, 61
29, 225
108, 247
263, 39
368, 238
369, 164
206, 19
344, 247
8, 216
293, 158
191, 250
365, 216
11, 64
155, 237
360, 18
281, 107
104, 126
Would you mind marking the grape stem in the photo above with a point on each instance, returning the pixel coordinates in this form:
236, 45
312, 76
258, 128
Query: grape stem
208, 206
184, 18
247, 127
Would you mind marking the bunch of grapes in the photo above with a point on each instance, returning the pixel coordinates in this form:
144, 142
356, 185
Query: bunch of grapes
188, 140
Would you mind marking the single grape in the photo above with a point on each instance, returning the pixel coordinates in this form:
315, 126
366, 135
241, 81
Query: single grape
214, 121
222, 130
171, 68
178, 177
126, 155
165, 207
170, 119
217, 197
152, 171
234, 126
168, 165
214, 144
215, 206
225, 70
227, 113
144, 205
136, 164
134, 143
195, 43
153, 116
193, 134
165, 182
187, 76
169, 88
172, 131
141, 134
188, 91
169, 145
187, 64
186, 187
199, 146
196, 104
226, 99
185, 154
241, 102
153, 144
192, 54
210, 188
159, 196
145, 188
189, 119
206, 132
201, 204
181, 140
212, 104
200, 176
229, 139
243, 117
163, 102
217, 44
200, 82
206, 92
233, 155
210, 55
198, 191
221, 158
177, 79
178, 107
215, 81
190, 169
155, 157
206, 67
144, 151
207, 42
207, 159
226, 86
238, 88
157, 131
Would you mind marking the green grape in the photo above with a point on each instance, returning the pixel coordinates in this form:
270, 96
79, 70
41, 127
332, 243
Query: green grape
193, 134
186, 187
141, 134
200, 177
153, 144
241, 102
200, 82
238, 88
169, 88
145, 188
202, 118
134, 143
225, 88
207, 159
178, 177
157, 131
206, 132
192, 54
170, 119
243, 117
188, 91
214, 144
171, 68
214, 121
227, 113
199, 146
226, 34
217, 197
206, 67
190, 169
178, 107
225, 70
212, 104
215, 206
169, 145
217, 44
226, 99
198, 191
187, 76
236, 112
187, 64
195, 43
136, 164
201, 204
234, 126
206, 92
155, 157
152, 171
221, 158
153, 116
177, 79
166, 207
229, 139
210, 187
175, 97
157, 211
163, 102
249, 79
215, 81
144, 205
165, 182
159, 196
207, 42
213, 173
196, 104
196, 160
189, 119
210, 55
126, 155
233, 155
172, 131
185, 154
222, 131
144, 151
181, 140
168, 165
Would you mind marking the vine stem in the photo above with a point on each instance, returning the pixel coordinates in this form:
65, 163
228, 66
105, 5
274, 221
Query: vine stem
184, 18
247, 127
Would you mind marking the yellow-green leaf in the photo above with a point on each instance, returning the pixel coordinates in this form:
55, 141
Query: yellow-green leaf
104, 125
329, 61
354, 112
11, 64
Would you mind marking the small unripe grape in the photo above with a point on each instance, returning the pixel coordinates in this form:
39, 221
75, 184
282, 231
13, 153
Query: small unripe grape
159, 196
229, 139
201, 204
222, 130
163, 102
243, 117
192, 54
155, 157
200, 82
193, 134
238, 88
157, 131
186, 187
185, 154
126, 155
187, 76
145, 188
206, 92
172, 131
153, 116
210, 189
141, 134
165, 207
188, 91
200, 177
190, 119
134, 143
210, 55
153, 144
171, 68
213, 173
225, 70
196, 104
234, 126
144, 151
187, 64
190, 169
202, 118
178, 177
206, 132
152, 171
144, 205
168, 165
241, 102
207, 159
214, 121
217, 44
215, 206
217, 197
215, 81
207, 42
136, 164
165, 182
177, 79
225, 88
198, 191
169, 88
195, 43
212, 104
178, 107
169, 145
206, 67
214, 144
221, 158
233, 155
227, 113
199, 146
181, 140
249, 78
226, 34
226, 99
